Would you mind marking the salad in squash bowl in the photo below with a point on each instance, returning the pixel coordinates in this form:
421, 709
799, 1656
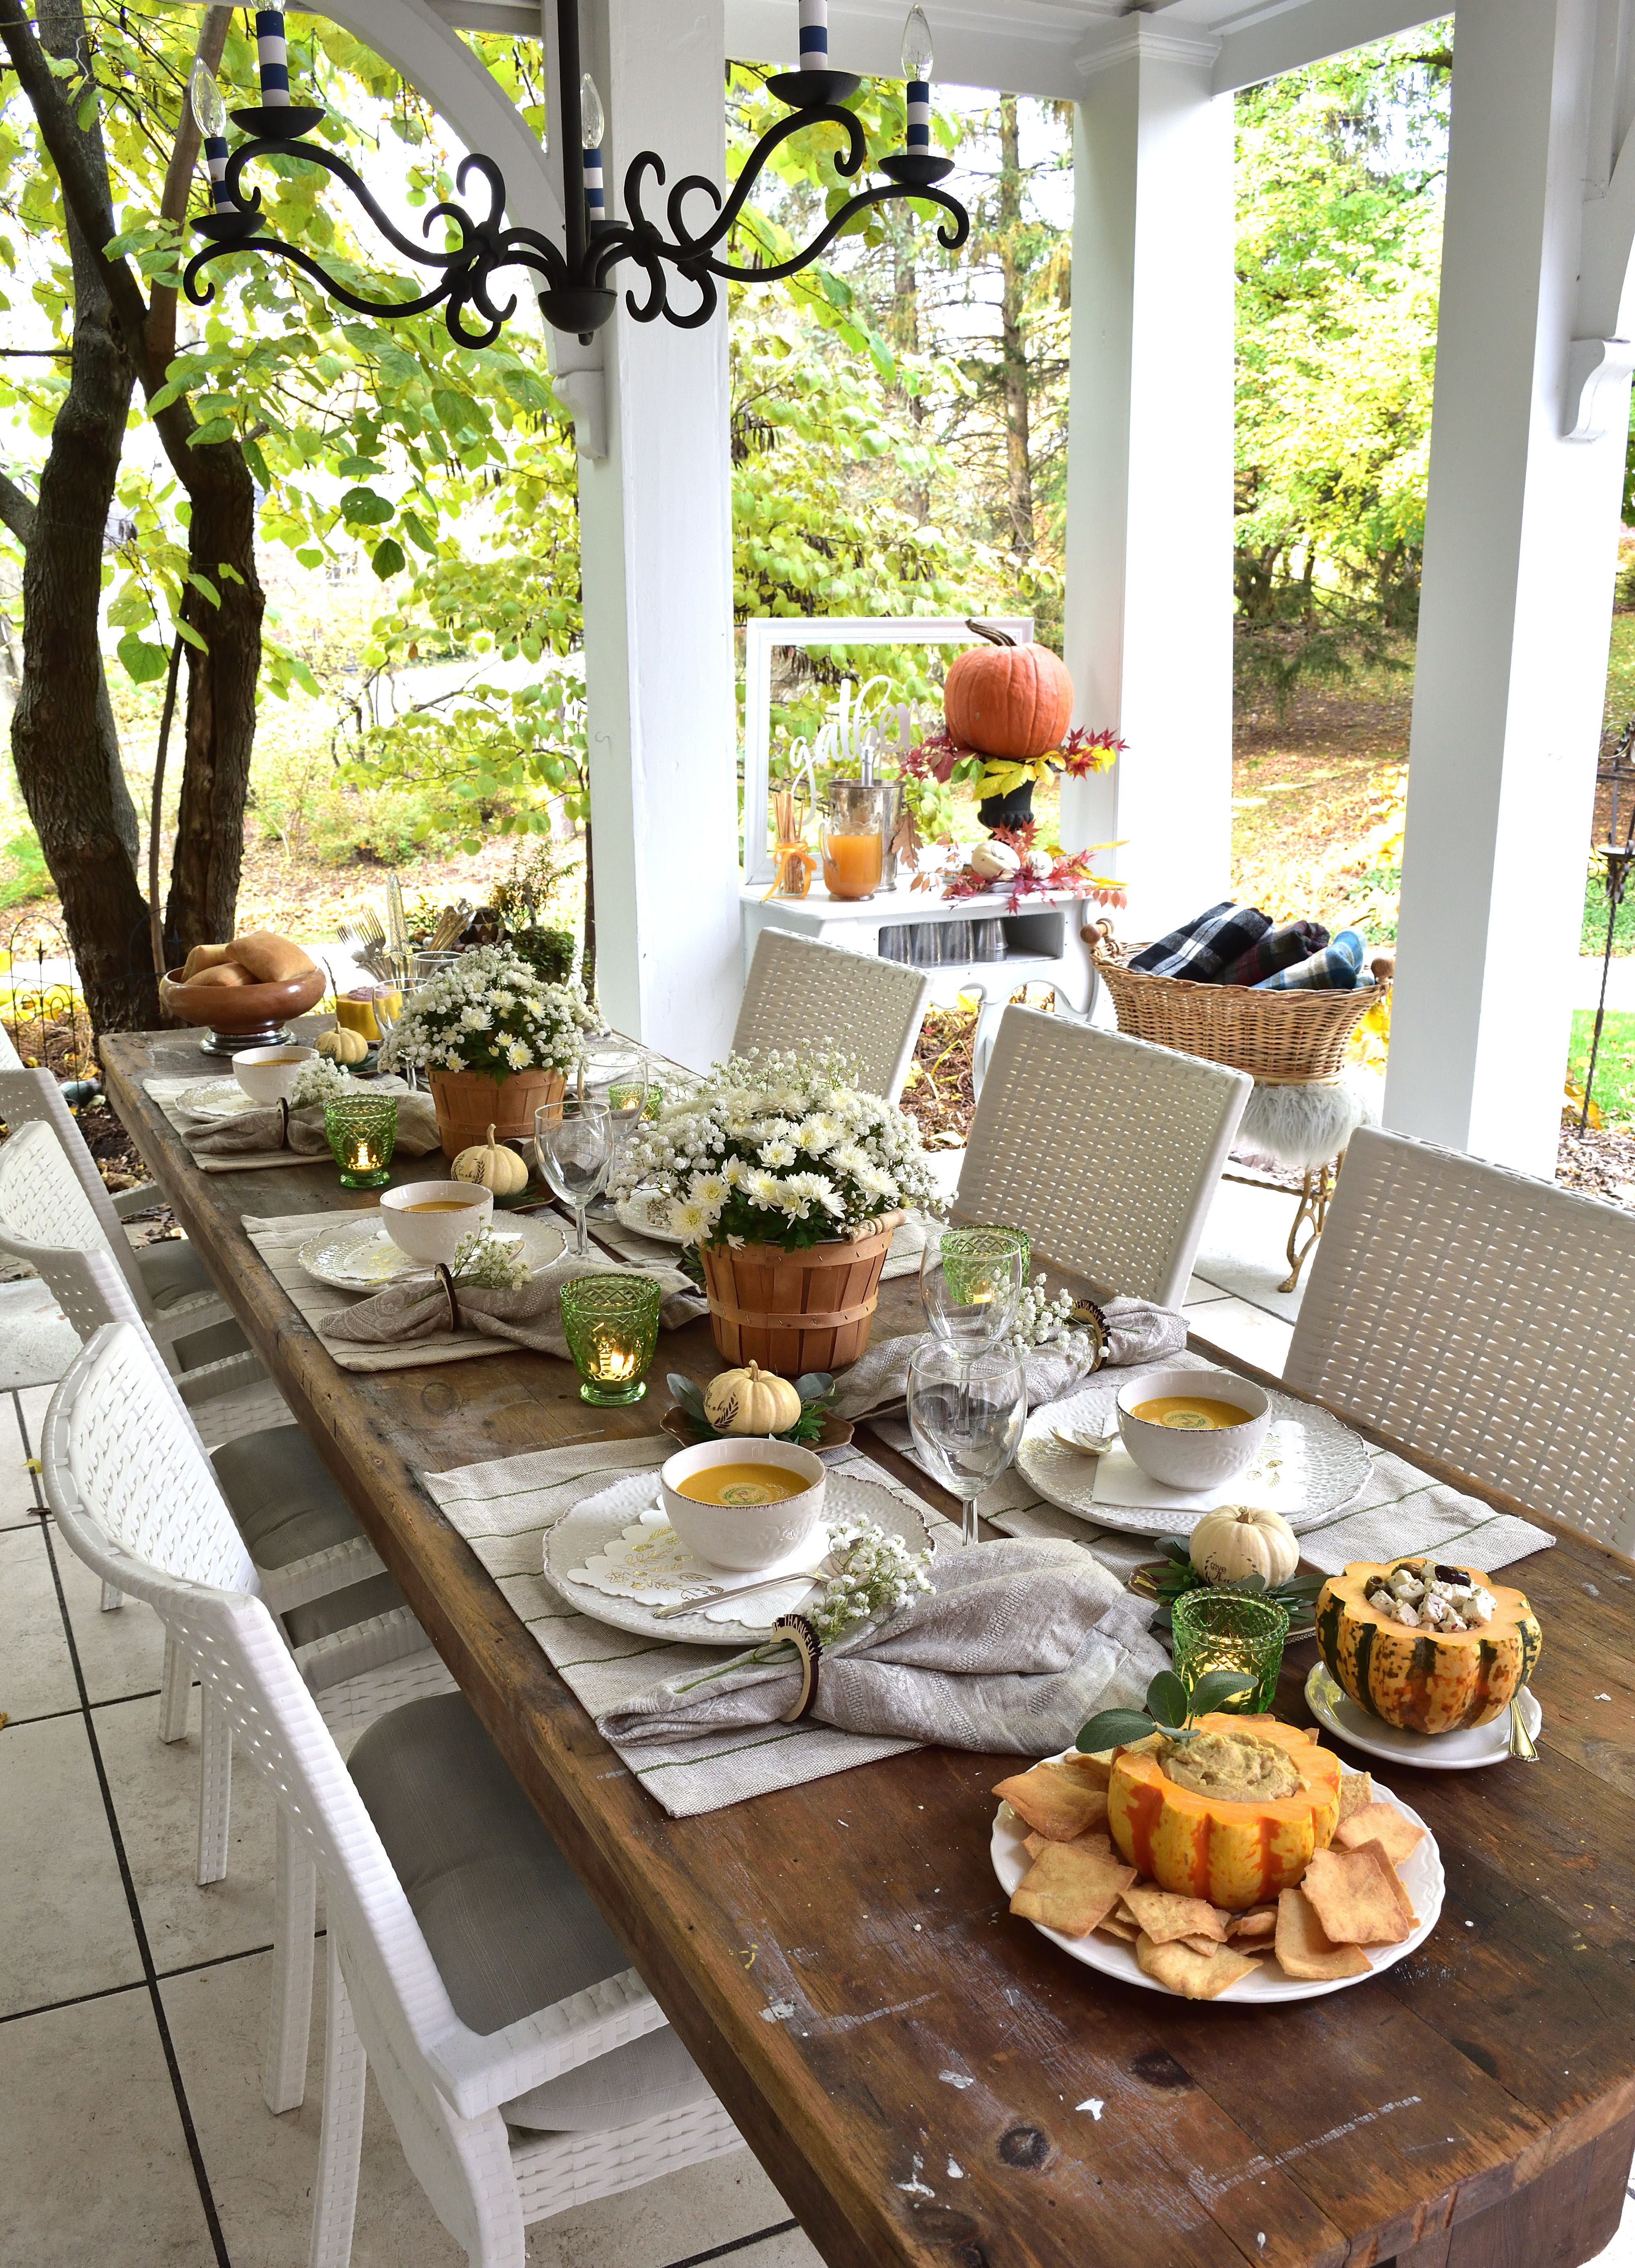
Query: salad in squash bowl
1426, 1647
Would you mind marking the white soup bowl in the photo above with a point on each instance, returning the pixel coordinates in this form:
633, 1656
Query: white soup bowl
743, 1538
1185, 1460
434, 1236
268, 1074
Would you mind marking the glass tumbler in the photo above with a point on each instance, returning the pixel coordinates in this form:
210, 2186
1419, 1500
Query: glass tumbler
1228, 1630
611, 1324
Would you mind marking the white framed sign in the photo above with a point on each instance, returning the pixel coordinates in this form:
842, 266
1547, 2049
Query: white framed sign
764, 633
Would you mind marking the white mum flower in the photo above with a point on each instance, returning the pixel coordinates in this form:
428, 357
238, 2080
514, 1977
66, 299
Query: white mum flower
709, 1189
764, 1187
778, 1152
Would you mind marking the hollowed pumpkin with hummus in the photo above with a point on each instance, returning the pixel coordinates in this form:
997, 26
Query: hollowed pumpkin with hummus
1233, 1816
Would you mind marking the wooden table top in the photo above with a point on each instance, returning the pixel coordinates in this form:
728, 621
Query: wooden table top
926, 2079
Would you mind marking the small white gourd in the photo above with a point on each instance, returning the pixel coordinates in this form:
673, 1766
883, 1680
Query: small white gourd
492, 1167
1237, 1540
751, 1401
996, 862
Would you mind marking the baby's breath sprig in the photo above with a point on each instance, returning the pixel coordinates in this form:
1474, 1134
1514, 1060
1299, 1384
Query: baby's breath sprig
875, 1574
482, 1262
1040, 1321
319, 1080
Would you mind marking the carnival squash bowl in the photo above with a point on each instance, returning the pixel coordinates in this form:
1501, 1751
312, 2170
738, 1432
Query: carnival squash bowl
241, 1015
1425, 1680
1236, 1854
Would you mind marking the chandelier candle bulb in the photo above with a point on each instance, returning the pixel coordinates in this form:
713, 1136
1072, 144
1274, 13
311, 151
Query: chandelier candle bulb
272, 51
815, 34
916, 63
592, 125
210, 116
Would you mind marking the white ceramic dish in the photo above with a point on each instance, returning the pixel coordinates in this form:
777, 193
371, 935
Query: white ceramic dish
429, 1237
357, 1254
743, 1538
1321, 1465
1179, 1457
216, 1100
268, 1074
647, 1214
1266, 1985
1467, 1752
593, 1524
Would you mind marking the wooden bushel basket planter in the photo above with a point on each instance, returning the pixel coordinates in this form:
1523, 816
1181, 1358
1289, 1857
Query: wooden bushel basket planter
469, 1102
793, 1311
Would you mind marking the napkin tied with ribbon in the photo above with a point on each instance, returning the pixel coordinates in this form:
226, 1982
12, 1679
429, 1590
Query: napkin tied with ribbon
1015, 1645
1137, 1331
529, 1316
302, 1130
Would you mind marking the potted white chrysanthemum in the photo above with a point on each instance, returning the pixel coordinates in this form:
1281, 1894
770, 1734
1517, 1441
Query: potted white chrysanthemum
789, 1181
495, 1041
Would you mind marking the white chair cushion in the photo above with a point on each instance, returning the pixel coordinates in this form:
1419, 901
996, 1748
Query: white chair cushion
511, 1926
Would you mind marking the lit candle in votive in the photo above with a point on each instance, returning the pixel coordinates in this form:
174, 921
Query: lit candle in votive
815, 34
592, 125
210, 116
274, 56
917, 62
613, 1362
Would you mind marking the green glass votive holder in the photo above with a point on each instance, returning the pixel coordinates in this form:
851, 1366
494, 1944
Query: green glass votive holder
969, 1253
611, 1324
1229, 1630
362, 1134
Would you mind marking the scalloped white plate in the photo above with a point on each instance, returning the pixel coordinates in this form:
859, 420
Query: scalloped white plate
1266, 1984
1467, 1751
357, 1254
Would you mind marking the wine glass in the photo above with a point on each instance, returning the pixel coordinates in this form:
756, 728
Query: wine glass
970, 1281
616, 1076
966, 1414
573, 1144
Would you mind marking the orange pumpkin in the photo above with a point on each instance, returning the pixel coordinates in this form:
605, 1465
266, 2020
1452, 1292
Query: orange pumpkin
1007, 700
1236, 1855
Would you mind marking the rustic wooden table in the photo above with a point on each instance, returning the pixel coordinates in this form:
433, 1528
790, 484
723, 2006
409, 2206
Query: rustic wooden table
928, 2081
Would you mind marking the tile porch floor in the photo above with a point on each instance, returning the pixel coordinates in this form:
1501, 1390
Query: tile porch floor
132, 2004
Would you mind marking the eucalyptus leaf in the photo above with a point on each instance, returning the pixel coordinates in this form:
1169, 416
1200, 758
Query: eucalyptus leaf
1113, 1728
1177, 1547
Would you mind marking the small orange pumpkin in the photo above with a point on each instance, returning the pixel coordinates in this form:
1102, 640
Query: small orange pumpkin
1235, 1854
1007, 700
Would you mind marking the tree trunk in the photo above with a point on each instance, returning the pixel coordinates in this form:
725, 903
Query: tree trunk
1018, 457
905, 338
69, 775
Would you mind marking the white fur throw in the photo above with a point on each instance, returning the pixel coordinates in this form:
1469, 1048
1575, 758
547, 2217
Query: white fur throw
1305, 1126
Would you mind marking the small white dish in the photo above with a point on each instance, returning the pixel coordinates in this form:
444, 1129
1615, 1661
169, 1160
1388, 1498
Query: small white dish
743, 1538
647, 1214
1422, 1879
357, 1254
215, 1099
268, 1074
461, 1208
1470, 1750
1182, 1459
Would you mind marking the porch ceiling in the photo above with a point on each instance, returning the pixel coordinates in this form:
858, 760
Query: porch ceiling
1048, 47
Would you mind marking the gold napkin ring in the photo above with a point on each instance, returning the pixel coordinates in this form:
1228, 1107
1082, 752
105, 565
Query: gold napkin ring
445, 1279
283, 1131
1088, 1317
809, 1646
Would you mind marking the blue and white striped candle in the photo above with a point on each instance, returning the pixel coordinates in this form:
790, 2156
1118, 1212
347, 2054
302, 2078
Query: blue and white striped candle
593, 125
815, 34
916, 63
595, 194
273, 53
919, 113
216, 159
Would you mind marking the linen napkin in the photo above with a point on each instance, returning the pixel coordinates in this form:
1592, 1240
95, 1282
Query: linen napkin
529, 1316
1137, 1331
1012, 1648
264, 1129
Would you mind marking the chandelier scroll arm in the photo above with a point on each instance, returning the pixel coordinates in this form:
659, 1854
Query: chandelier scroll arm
890, 193
201, 291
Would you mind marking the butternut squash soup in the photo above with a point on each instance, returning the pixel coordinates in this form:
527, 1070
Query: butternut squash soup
743, 1483
1191, 1413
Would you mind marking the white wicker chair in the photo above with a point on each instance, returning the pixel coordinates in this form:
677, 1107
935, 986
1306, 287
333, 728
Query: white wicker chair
1107, 1151
502, 2111
1480, 1316
801, 994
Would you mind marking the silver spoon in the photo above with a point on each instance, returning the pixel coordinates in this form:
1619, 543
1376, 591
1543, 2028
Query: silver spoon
1087, 1444
737, 1591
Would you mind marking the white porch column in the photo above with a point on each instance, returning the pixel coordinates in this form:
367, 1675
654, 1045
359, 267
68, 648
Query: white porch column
1520, 536
1149, 470
656, 546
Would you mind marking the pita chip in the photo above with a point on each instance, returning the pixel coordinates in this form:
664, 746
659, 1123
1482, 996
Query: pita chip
1054, 1804
1356, 1790
1304, 1949
1195, 1975
1381, 1824
1354, 1898
1166, 1917
1252, 1928
1089, 1771
1071, 1890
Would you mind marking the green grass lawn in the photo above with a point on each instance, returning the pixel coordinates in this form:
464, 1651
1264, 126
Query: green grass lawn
1615, 1065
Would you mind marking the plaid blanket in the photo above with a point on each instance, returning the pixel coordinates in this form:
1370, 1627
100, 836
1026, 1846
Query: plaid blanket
1336, 968
1210, 942
1279, 948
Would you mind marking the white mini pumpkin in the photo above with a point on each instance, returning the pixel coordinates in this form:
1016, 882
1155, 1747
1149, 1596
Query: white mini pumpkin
1236, 1540
492, 1167
997, 862
342, 1045
751, 1401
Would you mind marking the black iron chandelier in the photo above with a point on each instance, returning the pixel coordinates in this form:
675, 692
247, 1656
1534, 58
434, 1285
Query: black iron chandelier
576, 295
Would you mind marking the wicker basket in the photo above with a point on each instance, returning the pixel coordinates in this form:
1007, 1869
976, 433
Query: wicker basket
1284, 1038
794, 1311
469, 1102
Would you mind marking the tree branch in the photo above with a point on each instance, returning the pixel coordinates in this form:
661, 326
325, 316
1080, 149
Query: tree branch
82, 191
17, 509
162, 326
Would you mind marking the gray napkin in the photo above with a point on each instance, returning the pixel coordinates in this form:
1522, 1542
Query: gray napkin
1012, 1648
1137, 1331
530, 1315
254, 1130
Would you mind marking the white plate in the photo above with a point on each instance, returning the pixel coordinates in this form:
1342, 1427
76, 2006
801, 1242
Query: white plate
1336, 1462
1422, 1878
216, 1100
633, 1212
357, 1254
1463, 1751
592, 1526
